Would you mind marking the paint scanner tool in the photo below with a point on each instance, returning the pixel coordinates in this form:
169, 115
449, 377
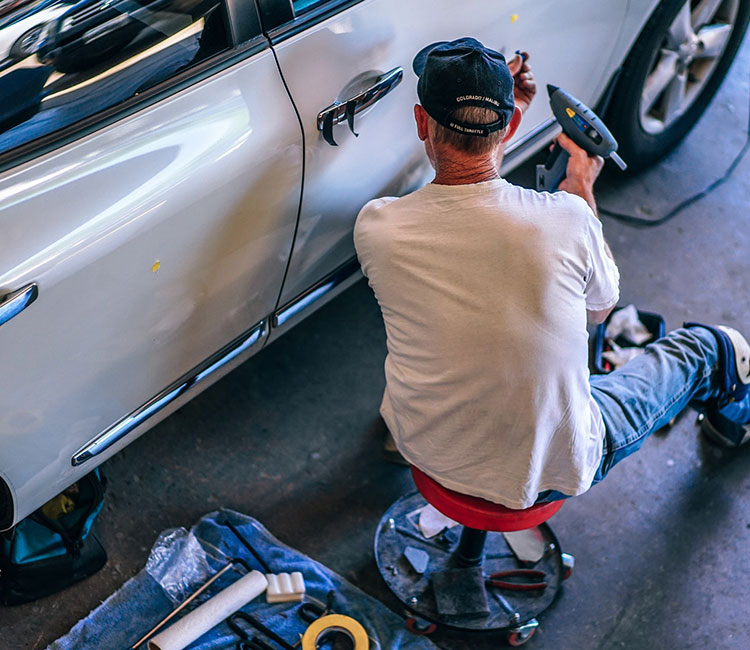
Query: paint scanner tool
582, 126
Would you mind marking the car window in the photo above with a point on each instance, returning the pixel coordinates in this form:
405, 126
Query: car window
304, 5
62, 62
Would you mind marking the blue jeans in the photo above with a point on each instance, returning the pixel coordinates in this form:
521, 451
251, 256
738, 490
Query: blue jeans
646, 393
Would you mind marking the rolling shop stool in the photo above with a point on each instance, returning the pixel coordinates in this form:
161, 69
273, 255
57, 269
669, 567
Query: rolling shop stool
475, 582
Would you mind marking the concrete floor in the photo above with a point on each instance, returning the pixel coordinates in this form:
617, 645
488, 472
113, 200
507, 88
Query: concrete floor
289, 438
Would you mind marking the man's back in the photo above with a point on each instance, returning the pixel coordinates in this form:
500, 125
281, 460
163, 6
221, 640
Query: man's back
484, 289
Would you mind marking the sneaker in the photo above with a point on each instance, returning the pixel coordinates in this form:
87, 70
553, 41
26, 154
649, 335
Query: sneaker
720, 429
391, 452
734, 362
741, 353
726, 419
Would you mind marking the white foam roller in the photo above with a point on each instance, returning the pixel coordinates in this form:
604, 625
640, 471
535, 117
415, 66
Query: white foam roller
210, 613
285, 587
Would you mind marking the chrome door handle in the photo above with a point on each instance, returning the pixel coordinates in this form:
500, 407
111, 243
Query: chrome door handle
346, 110
12, 304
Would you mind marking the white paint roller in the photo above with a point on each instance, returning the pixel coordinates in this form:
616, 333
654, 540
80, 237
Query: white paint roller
210, 613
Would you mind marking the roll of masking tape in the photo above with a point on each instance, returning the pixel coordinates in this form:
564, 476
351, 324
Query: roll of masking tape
335, 623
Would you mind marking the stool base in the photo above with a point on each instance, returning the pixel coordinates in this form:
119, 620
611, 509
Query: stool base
396, 532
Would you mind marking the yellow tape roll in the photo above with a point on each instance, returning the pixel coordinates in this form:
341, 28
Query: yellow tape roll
338, 623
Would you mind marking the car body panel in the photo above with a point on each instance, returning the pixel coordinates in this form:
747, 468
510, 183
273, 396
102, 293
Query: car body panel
153, 242
158, 239
324, 63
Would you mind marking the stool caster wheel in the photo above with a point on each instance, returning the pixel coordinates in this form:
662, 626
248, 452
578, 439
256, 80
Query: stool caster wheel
569, 563
419, 626
518, 636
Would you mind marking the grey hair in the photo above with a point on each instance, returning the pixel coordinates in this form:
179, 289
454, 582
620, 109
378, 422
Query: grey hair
472, 144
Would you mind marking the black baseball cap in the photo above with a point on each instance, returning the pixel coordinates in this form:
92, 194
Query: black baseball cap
460, 73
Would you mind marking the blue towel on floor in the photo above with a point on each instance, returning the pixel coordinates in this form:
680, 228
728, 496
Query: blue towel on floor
142, 602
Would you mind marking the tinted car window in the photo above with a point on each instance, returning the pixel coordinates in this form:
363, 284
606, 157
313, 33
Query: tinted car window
62, 61
304, 5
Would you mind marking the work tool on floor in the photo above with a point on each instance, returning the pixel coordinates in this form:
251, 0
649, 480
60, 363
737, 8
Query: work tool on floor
335, 624
441, 542
310, 612
581, 125
525, 580
527, 545
246, 641
248, 546
229, 565
193, 625
505, 605
461, 586
181, 562
285, 587
234, 623
417, 559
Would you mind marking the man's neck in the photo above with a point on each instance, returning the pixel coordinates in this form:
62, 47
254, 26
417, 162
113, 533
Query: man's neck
465, 171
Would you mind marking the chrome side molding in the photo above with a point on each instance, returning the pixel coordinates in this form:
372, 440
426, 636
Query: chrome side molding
314, 293
12, 304
539, 132
124, 426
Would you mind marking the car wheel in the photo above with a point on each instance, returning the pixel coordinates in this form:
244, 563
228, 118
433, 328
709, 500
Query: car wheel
25, 44
673, 71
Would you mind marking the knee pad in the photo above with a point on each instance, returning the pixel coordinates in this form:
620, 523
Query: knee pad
734, 361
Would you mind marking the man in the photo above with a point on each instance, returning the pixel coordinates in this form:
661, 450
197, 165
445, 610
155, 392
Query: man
485, 290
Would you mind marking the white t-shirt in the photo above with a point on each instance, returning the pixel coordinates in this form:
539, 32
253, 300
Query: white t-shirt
484, 290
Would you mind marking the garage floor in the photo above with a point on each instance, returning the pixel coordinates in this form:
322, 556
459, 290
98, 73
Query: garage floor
289, 438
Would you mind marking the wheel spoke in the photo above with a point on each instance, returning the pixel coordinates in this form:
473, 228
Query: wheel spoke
659, 79
713, 40
704, 12
675, 98
681, 28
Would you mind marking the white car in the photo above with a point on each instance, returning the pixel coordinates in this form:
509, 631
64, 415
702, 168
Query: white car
175, 206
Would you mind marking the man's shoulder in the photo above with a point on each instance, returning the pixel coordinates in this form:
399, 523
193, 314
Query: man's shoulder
561, 208
379, 213
376, 206
561, 200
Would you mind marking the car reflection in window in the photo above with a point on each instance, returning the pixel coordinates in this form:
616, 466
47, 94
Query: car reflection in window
79, 59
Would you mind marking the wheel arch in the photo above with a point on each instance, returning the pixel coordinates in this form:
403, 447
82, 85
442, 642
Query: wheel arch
7, 505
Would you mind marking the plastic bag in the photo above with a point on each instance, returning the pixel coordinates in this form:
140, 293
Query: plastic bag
178, 563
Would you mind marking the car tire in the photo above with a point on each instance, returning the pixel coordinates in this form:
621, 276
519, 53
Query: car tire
647, 134
25, 44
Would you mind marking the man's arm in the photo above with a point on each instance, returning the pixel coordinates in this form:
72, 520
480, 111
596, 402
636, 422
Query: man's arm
583, 170
597, 317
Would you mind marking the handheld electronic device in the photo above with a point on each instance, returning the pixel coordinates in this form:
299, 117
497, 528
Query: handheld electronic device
582, 126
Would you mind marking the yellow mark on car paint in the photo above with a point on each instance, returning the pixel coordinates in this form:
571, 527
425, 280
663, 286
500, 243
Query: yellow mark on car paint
513, 18
156, 266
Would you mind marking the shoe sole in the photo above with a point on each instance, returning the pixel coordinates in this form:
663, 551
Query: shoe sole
715, 436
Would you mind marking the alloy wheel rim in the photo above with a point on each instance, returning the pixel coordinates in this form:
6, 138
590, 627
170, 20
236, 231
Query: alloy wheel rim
28, 43
683, 65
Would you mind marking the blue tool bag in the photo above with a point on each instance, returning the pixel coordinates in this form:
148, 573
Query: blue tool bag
53, 547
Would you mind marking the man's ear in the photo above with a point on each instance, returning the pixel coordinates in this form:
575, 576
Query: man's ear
420, 115
515, 122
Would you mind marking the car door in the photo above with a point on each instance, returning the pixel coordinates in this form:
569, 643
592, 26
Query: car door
145, 229
332, 51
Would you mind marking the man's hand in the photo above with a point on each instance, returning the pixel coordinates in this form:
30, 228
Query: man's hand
524, 84
582, 171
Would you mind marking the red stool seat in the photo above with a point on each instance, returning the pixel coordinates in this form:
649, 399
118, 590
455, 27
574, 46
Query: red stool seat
481, 514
